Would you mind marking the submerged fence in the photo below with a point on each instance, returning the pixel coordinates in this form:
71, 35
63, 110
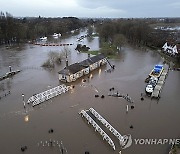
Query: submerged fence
98, 128
108, 126
46, 95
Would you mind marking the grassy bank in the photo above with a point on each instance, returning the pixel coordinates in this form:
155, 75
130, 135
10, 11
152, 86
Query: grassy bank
94, 52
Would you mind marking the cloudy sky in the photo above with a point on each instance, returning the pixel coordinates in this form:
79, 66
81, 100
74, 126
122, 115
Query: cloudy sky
92, 8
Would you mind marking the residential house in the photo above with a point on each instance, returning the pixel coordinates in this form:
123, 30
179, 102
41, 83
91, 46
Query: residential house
171, 49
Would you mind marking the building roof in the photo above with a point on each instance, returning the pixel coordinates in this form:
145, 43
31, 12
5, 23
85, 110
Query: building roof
86, 62
76, 67
97, 58
71, 69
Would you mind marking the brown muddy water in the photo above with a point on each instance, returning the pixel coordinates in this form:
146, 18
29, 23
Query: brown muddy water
150, 118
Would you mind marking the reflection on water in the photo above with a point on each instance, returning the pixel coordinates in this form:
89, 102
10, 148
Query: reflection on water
29, 126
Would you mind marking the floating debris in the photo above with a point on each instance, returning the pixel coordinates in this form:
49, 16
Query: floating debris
131, 127
74, 105
51, 130
102, 96
96, 95
132, 107
111, 89
23, 148
126, 97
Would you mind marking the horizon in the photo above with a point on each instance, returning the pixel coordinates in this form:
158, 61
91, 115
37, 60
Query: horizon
93, 9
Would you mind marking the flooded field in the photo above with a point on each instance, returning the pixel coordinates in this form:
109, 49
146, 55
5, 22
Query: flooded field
29, 127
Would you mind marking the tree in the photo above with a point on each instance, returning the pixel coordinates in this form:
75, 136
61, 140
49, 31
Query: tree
107, 32
119, 40
90, 30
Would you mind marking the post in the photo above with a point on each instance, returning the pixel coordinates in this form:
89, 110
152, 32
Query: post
23, 101
10, 69
127, 108
89, 56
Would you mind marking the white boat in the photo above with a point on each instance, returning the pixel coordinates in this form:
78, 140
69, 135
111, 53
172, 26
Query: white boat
149, 89
55, 35
43, 38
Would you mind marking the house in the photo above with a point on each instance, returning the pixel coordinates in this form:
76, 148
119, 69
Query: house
171, 49
73, 72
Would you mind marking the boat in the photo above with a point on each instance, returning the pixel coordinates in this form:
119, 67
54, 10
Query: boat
156, 72
55, 35
153, 78
149, 89
43, 38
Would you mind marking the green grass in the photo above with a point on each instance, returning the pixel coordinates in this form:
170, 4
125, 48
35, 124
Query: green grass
94, 52
112, 56
95, 35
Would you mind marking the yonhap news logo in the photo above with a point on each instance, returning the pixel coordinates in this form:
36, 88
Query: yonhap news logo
128, 141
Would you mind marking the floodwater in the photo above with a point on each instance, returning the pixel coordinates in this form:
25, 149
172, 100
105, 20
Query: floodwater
29, 127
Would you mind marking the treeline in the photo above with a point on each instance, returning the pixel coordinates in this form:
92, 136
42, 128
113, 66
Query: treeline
136, 31
16, 30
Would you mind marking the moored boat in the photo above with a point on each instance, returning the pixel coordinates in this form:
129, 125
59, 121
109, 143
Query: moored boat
43, 38
156, 72
153, 78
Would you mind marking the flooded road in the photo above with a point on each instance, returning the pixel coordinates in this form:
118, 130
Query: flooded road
29, 127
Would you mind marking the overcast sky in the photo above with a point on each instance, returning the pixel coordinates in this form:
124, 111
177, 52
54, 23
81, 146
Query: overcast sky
92, 8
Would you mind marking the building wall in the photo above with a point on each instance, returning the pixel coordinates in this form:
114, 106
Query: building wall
86, 70
74, 77
64, 78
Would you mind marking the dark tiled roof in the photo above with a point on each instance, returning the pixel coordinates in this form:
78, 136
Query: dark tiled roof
71, 69
76, 67
97, 58
92, 60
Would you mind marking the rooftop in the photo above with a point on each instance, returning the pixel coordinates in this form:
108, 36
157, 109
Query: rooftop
76, 67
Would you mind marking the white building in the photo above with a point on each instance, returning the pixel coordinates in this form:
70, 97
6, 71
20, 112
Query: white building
73, 72
171, 49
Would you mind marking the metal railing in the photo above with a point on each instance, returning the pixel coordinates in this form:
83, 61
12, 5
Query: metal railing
98, 129
108, 126
46, 95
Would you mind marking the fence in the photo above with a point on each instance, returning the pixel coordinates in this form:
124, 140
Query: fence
46, 95
108, 126
97, 128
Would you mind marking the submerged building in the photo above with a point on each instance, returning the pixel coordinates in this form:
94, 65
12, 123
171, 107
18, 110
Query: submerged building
73, 72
